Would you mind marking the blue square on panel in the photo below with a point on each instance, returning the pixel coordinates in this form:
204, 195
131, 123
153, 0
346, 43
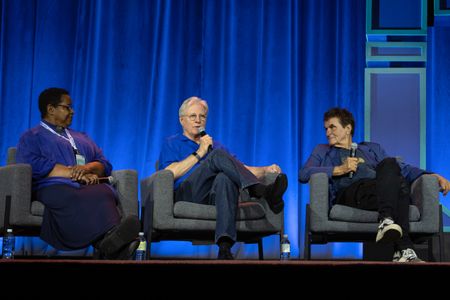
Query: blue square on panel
444, 4
442, 7
397, 14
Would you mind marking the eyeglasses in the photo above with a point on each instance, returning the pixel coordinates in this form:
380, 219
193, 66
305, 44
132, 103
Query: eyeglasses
68, 107
193, 117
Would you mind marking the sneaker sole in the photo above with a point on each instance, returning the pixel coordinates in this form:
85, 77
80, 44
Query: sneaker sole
413, 261
392, 233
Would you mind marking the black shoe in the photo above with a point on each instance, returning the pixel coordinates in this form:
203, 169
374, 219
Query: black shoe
274, 193
225, 253
122, 235
127, 253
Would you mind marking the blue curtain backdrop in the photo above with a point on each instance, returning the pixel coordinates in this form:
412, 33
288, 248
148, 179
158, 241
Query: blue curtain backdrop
268, 69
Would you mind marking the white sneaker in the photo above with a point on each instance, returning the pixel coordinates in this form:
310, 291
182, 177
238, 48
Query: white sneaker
407, 255
388, 231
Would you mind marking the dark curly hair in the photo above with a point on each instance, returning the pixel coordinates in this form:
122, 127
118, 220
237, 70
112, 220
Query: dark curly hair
345, 117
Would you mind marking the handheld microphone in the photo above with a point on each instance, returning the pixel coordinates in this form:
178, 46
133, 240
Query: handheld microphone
352, 154
202, 132
110, 180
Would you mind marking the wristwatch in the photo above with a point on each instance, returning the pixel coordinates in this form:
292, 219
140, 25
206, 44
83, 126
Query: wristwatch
196, 155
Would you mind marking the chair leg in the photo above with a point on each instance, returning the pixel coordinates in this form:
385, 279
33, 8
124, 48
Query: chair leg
307, 250
430, 249
7, 212
307, 253
441, 236
149, 246
260, 250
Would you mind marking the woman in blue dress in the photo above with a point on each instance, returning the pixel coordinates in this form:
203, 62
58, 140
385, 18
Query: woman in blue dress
66, 167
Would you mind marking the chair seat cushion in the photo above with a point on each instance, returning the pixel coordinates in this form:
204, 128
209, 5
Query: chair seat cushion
349, 214
248, 210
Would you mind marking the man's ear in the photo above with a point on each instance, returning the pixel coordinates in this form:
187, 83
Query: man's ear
349, 129
50, 109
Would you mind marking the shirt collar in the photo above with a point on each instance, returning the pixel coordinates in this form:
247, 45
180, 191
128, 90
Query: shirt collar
54, 127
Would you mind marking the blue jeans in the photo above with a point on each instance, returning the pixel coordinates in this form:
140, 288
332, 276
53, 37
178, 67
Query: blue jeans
217, 181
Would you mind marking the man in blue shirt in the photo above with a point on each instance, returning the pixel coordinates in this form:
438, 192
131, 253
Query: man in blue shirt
66, 166
369, 179
205, 172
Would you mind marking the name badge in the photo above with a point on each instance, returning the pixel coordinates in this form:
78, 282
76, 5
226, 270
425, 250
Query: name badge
81, 161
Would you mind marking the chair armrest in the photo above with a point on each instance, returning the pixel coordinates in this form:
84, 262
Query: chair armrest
319, 199
127, 189
425, 195
15, 180
157, 195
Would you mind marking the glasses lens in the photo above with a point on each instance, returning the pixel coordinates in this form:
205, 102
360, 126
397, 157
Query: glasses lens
194, 117
68, 107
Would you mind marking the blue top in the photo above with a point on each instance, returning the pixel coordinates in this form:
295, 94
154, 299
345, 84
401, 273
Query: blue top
43, 149
176, 148
325, 157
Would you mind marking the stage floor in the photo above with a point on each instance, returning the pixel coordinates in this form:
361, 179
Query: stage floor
181, 275
163, 265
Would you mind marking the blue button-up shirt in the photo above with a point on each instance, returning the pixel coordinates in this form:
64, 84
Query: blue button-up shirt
177, 148
325, 157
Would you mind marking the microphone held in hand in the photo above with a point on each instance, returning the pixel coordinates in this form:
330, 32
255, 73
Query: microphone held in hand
110, 180
352, 154
202, 132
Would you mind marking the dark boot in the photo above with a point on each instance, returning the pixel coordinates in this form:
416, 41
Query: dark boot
225, 245
273, 192
122, 235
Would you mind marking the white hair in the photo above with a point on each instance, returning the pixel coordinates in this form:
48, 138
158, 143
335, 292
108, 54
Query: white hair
190, 101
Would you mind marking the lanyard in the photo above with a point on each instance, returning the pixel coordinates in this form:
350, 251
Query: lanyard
69, 139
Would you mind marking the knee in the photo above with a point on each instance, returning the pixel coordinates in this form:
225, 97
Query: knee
223, 179
218, 153
224, 184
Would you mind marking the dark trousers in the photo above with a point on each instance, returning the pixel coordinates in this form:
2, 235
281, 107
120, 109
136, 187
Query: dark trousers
388, 193
76, 217
217, 181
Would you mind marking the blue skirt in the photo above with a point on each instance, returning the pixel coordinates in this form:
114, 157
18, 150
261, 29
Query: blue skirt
74, 218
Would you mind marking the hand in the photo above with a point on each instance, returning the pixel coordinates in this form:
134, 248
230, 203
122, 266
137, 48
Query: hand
77, 172
89, 179
443, 183
350, 164
205, 142
272, 169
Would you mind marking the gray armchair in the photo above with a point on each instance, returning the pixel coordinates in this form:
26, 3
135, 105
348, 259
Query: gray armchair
20, 212
346, 224
186, 221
